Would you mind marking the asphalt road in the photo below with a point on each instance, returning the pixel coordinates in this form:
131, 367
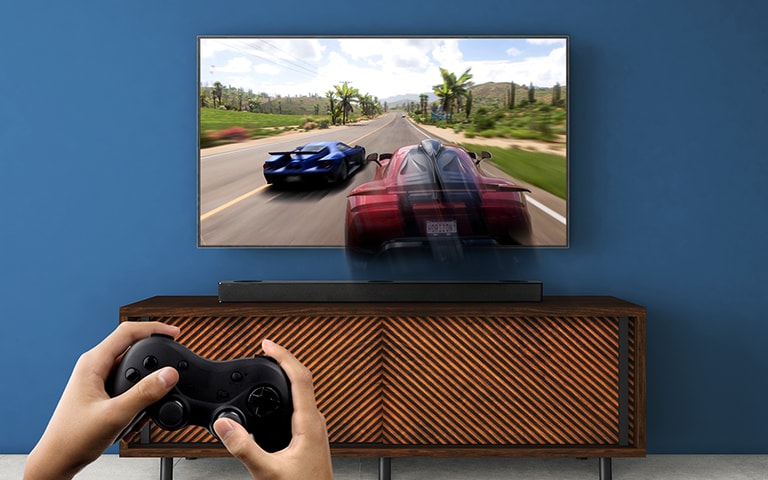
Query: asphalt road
237, 207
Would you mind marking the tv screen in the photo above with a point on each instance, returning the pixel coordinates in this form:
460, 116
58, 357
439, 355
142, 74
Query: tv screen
380, 144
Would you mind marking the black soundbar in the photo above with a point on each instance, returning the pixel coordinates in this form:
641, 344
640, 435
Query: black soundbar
379, 291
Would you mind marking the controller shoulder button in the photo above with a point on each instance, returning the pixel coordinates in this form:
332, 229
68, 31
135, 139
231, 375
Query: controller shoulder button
161, 335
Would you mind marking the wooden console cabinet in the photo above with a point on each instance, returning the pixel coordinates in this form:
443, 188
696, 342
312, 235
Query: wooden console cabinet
561, 378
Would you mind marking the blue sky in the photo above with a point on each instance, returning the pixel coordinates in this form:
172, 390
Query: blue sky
381, 67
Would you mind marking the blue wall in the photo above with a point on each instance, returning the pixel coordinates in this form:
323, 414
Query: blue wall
668, 179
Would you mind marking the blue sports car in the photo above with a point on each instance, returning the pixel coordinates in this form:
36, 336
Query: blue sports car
325, 162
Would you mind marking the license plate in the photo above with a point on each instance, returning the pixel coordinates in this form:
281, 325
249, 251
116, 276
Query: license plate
293, 178
441, 228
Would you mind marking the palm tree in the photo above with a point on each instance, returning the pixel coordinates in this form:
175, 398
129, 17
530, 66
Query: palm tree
511, 96
332, 106
347, 95
469, 104
366, 105
444, 93
423, 103
218, 90
461, 87
452, 89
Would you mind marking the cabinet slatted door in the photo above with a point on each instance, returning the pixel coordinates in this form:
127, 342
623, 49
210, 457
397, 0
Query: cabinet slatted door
475, 381
342, 352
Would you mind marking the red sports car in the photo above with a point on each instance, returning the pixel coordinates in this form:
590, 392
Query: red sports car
433, 192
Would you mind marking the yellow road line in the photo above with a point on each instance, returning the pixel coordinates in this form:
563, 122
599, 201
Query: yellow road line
257, 190
232, 202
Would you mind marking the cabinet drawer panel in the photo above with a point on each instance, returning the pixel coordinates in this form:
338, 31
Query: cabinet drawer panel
341, 352
501, 381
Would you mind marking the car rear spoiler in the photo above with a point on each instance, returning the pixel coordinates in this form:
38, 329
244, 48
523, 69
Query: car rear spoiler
380, 189
512, 188
297, 152
378, 158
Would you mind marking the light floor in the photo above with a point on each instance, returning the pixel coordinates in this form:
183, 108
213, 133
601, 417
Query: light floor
663, 467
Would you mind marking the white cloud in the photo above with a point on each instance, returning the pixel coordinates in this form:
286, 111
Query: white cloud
236, 65
264, 69
381, 67
448, 55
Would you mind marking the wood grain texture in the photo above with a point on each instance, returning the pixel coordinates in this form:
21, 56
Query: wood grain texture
501, 381
433, 379
317, 341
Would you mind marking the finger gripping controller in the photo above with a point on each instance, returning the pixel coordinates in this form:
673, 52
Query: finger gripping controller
254, 392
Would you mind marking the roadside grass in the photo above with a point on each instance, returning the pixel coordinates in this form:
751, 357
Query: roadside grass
218, 127
211, 119
535, 122
544, 170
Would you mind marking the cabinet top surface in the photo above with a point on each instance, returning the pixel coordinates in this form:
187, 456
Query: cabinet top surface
554, 305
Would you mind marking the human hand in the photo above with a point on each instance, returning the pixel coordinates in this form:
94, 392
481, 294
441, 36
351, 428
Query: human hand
308, 455
86, 420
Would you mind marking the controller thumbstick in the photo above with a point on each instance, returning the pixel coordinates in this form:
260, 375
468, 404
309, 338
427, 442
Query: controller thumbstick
264, 401
226, 413
232, 415
171, 415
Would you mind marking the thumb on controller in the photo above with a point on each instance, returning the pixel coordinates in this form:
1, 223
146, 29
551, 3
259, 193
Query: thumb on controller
240, 444
148, 391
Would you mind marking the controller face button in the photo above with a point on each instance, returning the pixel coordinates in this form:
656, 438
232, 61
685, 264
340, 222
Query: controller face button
171, 415
183, 365
150, 362
264, 401
222, 395
236, 377
132, 375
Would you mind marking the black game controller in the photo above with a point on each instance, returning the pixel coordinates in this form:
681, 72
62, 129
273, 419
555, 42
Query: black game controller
255, 392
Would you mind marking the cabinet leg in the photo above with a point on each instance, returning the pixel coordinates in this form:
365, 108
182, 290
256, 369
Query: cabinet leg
166, 468
385, 468
606, 468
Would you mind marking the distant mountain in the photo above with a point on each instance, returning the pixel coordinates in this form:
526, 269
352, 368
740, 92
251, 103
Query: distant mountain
489, 94
400, 100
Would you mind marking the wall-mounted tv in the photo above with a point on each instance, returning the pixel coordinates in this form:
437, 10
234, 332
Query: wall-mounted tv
377, 144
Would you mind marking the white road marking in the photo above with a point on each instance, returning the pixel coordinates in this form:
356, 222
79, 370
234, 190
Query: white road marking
547, 210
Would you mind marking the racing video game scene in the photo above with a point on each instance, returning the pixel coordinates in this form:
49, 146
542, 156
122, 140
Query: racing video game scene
374, 144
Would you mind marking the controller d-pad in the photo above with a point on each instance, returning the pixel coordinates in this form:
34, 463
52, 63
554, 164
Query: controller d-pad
264, 401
